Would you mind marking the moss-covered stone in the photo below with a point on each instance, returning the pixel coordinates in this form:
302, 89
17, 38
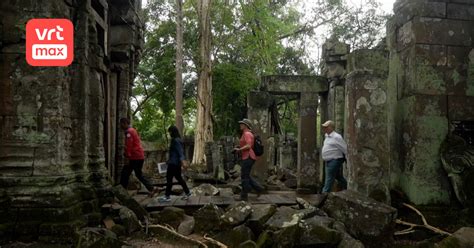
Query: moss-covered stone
265, 240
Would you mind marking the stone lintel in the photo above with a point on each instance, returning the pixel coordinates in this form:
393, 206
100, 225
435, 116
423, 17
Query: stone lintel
284, 84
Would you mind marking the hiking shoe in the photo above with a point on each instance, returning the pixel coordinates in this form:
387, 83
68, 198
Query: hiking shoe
164, 199
186, 196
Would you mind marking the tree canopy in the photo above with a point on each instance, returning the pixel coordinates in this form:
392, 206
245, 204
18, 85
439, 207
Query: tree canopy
249, 39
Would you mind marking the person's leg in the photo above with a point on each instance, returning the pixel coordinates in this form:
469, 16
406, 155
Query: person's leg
331, 170
181, 181
254, 184
137, 168
170, 172
339, 175
246, 167
125, 175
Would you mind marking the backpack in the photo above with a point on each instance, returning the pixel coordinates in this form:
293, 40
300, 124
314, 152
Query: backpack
257, 145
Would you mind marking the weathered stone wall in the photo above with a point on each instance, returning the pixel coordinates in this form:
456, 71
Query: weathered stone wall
58, 125
431, 76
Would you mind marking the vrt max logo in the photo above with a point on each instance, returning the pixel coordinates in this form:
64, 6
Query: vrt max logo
49, 42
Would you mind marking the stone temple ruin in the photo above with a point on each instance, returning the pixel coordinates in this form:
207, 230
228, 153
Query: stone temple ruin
396, 105
59, 125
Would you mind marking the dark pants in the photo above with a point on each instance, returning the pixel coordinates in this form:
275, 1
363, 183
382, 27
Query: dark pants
247, 181
136, 166
334, 171
174, 171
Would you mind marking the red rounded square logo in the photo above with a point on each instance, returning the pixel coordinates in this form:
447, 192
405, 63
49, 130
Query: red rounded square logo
49, 42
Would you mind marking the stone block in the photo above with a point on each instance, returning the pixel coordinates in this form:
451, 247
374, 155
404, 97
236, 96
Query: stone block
460, 1
410, 9
423, 70
375, 61
464, 237
461, 11
424, 126
334, 48
332, 69
460, 108
435, 31
282, 84
207, 219
121, 34
370, 221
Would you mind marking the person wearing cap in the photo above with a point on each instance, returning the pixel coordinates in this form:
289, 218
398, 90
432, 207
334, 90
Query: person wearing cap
248, 159
333, 153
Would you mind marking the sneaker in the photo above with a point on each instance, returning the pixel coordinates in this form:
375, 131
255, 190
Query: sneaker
186, 196
164, 199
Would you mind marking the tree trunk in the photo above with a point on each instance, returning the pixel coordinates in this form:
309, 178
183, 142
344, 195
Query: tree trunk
179, 67
204, 96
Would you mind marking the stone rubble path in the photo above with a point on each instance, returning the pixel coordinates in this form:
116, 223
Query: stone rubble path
279, 198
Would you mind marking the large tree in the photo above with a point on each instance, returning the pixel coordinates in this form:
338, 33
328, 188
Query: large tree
204, 132
179, 66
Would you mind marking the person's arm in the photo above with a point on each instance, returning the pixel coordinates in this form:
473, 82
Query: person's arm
341, 145
248, 142
180, 150
128, 144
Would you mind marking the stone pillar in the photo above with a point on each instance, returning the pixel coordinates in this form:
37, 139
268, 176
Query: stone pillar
366, 124
334, 55
430, 42
258, 104
308, 154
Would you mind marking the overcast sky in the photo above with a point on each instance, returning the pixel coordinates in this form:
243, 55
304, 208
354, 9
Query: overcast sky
387, 5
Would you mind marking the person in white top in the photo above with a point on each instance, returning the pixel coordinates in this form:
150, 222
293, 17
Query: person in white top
334, 154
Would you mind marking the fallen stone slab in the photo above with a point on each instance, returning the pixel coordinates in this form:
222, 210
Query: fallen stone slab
129, 202
208, 219
205, 189
186, 227
172, 216
367, 220
462, 238
236, 214
235, 236
259, 216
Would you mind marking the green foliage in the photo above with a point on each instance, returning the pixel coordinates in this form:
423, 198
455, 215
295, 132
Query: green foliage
250, 39
231, 82
360, 26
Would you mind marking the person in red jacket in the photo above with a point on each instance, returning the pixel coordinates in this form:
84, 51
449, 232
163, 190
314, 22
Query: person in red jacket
135, 155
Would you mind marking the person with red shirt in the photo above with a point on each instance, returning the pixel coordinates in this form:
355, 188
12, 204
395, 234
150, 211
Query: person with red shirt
135, 155
248, 159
